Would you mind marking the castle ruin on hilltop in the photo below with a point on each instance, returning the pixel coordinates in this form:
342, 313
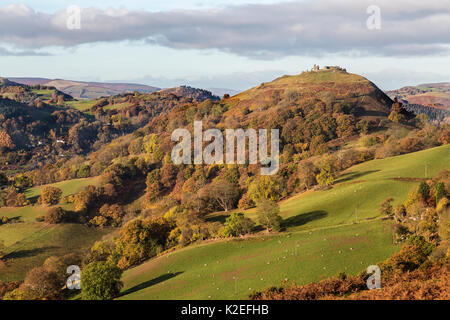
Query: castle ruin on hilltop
316, 68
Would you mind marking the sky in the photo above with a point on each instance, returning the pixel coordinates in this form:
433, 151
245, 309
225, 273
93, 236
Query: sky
233, 44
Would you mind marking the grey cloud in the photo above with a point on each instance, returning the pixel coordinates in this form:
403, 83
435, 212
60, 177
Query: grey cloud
408, 28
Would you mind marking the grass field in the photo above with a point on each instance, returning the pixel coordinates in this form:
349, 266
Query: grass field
327, 232
68, 187
45, 95
40, 242
82, 105
234, 269
28, 243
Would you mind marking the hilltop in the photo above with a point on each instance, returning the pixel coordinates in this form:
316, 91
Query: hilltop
335, 89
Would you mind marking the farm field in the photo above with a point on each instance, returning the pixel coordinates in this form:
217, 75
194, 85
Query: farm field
82, 105
234, 269
39, 241
28, 243
327, 232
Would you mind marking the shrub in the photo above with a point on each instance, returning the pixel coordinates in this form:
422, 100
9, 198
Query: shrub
51, 195
55, 215
100, 281
237, 224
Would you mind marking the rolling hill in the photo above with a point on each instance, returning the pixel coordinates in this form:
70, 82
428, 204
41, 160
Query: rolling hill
86, 90
436, 95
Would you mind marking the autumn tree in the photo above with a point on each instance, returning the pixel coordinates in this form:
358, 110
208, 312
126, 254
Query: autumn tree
55, 215
141, 239
224, 193
268, 215
109, 215
328, 170
6, 141
396, 117
41, 283
345, 125
306, 174
51, 195
12, 198
386, 208
22, 181
443, 210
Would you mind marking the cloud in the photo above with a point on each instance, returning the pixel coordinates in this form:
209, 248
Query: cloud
314, 28
21, 53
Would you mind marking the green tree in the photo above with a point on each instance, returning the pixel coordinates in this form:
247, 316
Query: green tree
84, 171
264, 187
100, 281
268, 213
237, 224
424, 190
440, 191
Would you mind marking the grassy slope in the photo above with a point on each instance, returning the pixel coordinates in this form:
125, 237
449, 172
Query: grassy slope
363, 187
29, 243
43, 242
82, 105
315, 246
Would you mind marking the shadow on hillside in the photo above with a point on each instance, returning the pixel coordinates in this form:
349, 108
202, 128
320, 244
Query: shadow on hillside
16, 219
28, 253
33, 199
218, 218
304, 218
150, 283
354, 175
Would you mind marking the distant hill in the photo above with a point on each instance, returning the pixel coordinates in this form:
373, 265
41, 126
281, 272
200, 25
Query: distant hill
432, 99
436, 95
190, 92
87, 90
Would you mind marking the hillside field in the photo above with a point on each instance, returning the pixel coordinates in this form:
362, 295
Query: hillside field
28, 243
327, 232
